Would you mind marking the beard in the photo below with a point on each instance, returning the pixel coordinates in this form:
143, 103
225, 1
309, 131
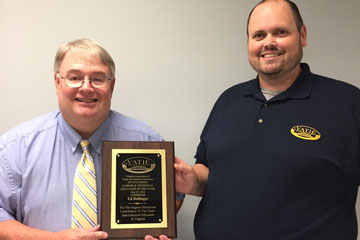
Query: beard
278, 68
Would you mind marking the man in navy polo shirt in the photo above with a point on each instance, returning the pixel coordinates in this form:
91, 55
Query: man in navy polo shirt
279, 157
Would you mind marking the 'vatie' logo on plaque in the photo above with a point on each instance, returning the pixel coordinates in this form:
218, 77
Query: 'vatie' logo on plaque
138, 165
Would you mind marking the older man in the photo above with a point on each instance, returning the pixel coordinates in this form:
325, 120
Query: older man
42, 193
279, 155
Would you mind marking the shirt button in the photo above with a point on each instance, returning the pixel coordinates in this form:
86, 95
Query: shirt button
265, 104
260, 120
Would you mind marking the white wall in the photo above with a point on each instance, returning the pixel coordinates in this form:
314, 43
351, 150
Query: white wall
173, 58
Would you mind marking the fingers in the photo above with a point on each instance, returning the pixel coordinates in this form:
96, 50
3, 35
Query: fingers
101, 235
97, 228
182, 166
82, 233
148, 237
178, 160
162, 237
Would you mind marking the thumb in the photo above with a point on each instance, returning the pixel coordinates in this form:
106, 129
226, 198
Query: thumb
95, 229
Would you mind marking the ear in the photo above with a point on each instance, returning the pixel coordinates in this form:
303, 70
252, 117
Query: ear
57, 82
112, 85
303, 36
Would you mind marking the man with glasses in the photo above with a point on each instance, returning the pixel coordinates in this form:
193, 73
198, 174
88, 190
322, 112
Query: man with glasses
39, 158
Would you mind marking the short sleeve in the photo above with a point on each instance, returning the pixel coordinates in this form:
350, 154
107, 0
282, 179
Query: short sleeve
8, 199
201, 154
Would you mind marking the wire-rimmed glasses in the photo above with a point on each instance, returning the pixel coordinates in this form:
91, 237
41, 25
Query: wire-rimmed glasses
77, 80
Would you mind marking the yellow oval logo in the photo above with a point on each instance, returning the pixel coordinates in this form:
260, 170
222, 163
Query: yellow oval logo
305, 132
138, 165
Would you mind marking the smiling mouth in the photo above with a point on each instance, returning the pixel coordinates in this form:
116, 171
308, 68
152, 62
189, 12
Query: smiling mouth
86, 100
270, 55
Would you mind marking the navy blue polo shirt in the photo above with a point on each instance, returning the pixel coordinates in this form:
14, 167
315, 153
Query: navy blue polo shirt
287, 168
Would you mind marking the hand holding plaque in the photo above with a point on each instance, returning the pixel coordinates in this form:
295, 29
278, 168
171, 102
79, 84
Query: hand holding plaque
138, 193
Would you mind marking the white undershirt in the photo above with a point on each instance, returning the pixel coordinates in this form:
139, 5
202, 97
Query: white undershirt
268, 94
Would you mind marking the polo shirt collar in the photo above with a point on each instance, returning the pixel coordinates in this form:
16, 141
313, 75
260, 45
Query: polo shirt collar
301, 88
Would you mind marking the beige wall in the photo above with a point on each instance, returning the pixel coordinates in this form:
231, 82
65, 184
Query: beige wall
173, 58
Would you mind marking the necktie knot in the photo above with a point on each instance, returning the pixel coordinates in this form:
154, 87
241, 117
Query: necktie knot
85, 144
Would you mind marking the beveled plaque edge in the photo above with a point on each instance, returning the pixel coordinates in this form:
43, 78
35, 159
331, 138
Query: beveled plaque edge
171, 230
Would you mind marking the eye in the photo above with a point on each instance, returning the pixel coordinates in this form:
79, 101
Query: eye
258, 36
282, 32
98, 79
74, 78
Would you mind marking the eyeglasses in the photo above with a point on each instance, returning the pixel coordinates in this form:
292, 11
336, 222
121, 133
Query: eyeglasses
76, 81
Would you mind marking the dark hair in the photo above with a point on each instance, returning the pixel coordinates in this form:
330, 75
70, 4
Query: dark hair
294, 9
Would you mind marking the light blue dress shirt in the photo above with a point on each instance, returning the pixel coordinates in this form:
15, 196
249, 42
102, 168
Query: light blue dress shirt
37, 165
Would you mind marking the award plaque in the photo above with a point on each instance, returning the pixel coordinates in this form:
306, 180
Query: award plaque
138, 189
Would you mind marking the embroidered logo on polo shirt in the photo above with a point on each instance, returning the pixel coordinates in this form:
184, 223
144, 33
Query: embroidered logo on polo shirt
305, 132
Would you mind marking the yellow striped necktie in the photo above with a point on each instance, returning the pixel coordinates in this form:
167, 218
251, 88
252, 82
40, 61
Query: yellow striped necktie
84, 210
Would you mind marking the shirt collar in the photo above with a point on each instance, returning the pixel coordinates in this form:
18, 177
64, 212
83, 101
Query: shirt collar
99, 135
70, 135
73, 138
301, 88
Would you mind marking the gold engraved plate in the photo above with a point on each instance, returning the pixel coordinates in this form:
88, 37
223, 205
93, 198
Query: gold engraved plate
135, 197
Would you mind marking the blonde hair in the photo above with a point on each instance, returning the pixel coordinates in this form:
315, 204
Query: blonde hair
91, 47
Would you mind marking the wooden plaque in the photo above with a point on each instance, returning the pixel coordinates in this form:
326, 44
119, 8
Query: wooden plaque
138, 189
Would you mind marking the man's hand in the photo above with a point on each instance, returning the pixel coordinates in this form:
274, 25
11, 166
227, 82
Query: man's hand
188, 179
82, 234
185, 176
12, 229
162, 237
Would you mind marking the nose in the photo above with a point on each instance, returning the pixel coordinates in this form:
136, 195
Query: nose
270, 42
86, 84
